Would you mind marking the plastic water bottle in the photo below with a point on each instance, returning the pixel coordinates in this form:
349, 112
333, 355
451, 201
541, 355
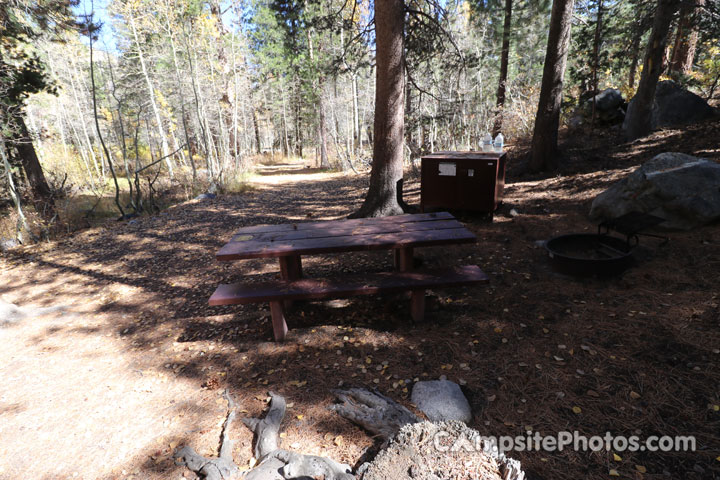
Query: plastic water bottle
499, 142
487, 143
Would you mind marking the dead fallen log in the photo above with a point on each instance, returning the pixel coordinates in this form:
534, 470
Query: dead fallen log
373, 411
221, 468
274, 463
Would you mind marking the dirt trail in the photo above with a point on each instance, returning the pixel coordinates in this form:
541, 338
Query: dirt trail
78, 400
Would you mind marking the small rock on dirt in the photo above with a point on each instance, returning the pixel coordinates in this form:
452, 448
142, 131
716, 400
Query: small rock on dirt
8, 243
206, 196
441, 400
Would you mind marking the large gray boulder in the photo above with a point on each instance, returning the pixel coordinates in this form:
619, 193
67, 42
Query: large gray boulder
608, 109
441, 400
673, 106
676, 106
682, 189
608, 100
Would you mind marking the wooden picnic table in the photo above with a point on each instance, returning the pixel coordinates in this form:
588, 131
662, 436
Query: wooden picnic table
288, 242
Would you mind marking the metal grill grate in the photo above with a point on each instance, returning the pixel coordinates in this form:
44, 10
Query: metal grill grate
632, 225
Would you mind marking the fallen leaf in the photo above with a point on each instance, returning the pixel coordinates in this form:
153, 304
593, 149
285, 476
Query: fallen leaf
634, 395
640, 468
577, 409
617, 457
613, 473
300, 417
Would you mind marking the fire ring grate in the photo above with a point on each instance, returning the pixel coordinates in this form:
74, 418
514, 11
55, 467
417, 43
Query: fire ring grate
588, 254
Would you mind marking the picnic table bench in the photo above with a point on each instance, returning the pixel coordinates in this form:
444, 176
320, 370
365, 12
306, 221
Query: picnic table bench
288, 242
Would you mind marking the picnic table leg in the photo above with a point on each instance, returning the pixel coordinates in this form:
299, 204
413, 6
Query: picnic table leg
290, 269
278, 321
417, 305
403, 259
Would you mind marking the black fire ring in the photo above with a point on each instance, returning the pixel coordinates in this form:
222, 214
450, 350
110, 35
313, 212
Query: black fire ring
588, 254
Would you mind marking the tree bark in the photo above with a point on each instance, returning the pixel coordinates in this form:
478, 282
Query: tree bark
596, 60
637, 121
322, 131
256, 127
545, 135
41, 192
389, 128
504, 60
318, 84
15, 195
635, 47
686, 38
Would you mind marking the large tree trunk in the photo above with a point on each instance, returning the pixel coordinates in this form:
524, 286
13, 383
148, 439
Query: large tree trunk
596, 59
389, 129
258, 144
22, 223
637, 121
635, 47
322, 132
41, 192
504, 60
547, 121
687, 37
318, 84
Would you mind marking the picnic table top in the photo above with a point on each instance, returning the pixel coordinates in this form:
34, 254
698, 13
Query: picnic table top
400, 231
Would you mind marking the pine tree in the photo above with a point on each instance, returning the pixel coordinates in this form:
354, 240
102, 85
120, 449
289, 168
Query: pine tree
547, 120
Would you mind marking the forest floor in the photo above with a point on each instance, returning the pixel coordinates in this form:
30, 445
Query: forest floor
137, 362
